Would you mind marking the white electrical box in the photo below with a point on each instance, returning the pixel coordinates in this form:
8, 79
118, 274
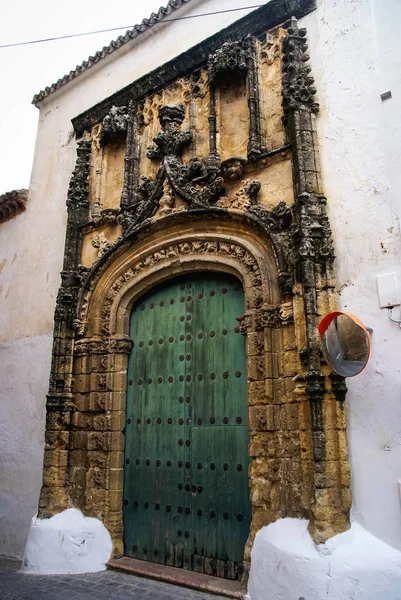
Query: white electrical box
387, 289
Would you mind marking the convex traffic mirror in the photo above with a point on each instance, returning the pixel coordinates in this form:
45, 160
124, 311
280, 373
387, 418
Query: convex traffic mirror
345, 342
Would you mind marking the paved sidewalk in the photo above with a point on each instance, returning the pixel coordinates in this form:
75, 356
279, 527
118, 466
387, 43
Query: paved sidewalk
107, 585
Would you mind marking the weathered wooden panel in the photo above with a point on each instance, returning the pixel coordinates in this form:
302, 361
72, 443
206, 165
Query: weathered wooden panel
186, 491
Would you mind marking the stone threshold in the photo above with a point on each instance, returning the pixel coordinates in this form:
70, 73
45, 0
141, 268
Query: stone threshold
181, 577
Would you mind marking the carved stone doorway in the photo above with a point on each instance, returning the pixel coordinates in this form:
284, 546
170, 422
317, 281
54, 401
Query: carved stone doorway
186, 487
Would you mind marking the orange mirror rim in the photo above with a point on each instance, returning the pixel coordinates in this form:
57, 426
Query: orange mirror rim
325, 323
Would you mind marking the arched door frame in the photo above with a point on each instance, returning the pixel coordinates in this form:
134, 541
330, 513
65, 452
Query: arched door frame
101, 350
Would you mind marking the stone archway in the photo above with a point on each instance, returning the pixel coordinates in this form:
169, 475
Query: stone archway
101, 355
90, 445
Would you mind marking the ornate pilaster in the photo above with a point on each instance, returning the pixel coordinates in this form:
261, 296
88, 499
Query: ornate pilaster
59, 399
314, 259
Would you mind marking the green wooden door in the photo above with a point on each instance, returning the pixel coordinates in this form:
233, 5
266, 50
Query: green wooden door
186, 489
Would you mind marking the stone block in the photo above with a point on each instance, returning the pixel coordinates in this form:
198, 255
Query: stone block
117, 420
117, 441
257, 418
256, 371
57, 421
79, 440
116, 479
306, 448
97, 478
96, 501
99, 441
53, 498
254, 344
342, 444
102, 422
289, 416
98, 459
289, 340
54, 477
262, 445
331, 444
289, 363
114, 523
56, 440
101, 382
101, 363
77, 476
288, 444
121, 362
257, 393
261, 490
117, 381
304, 416
55, 458
116, 460
330, 412
115, 499
341, 414
81, 383
272, 417
100, 400
81, 402
81, 420
81, 365
272, 369
77, 458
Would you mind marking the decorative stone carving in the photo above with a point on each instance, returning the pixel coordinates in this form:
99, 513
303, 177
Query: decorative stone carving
256, 320
197, 182
246, 195
270, 48
114, 123
298, 88
227, 61
286, 313
275, 220
78, 190
173, 253
338, 386
232, 168
101, 242
167, 200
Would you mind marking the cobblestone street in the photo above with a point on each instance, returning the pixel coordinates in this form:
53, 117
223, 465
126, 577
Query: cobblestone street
107, 585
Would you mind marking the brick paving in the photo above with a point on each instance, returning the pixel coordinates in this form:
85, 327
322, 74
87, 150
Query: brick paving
107, 585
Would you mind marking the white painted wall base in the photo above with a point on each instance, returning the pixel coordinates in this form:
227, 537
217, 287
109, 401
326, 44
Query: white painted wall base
67, 543
355, 565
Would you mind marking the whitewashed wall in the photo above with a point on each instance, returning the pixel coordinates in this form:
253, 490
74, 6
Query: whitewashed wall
353, 47
355, 52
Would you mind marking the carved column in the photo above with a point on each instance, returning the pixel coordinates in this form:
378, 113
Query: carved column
255, 137
59, 399
314, 271
131, 168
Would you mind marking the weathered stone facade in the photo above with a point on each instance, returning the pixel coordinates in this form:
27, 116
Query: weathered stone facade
214, 170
